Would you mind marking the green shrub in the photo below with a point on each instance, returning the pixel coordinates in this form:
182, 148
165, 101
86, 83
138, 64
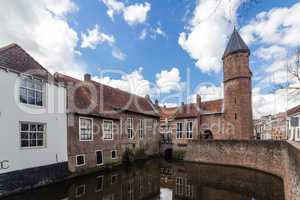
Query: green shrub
178, 155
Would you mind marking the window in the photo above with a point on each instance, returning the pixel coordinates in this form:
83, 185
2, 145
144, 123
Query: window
294, 121
141, 128
179, 186
85, 126
80, 191
113, 154
235, 116
32, 135
129, 128
189, 130
31, 91
179, 130
99, 183
99, 157
80, 160
114, 179
107, 130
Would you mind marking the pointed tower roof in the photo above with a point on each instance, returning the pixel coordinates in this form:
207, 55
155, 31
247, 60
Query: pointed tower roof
235, 44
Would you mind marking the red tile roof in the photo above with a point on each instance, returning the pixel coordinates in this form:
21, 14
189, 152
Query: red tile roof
294, 110
191, 110
90, 97
214, 106
14, 58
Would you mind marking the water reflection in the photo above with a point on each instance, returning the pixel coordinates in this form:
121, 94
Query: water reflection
161, 180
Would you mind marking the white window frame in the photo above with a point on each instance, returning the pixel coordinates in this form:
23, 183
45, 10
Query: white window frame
84, 160
102, 181
141, 128
177, 131
116, 153
28, 132
112, 129
76, 191
189, 132
92, 131
100, 164
34, 89
129, 126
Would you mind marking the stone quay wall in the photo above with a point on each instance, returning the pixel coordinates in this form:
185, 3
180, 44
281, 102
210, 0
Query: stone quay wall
279, 158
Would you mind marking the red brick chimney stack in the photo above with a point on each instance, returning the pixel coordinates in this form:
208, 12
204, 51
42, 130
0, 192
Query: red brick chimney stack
87, 77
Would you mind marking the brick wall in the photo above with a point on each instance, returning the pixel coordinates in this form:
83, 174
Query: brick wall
149, 144
276, 157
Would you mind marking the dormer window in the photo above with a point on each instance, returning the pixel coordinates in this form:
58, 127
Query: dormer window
31, 91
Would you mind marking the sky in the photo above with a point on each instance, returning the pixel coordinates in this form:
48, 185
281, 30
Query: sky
169, 49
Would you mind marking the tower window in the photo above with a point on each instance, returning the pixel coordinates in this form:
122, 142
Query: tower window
235, 116
234, 100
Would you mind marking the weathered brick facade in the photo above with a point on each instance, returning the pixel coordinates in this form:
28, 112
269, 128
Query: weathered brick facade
99, 104
228, 118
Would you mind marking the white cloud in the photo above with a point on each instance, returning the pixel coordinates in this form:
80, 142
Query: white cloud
118, 54
276, 32
41, 28
133, 14
143, 34
114, 6
271, 53
208, 92
278, 26
272, 103
136, 13
208, 31
94, 37
159, 31
133, 82
60, 8
169, 81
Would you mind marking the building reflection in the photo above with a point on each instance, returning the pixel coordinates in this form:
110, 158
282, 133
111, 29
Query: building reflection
212, 182
156, 179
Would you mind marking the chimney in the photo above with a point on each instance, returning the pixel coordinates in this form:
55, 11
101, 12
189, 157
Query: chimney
87, 77
198, 101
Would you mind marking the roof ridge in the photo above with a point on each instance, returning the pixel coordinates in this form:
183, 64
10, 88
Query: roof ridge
15, 45
117, 89
9, 46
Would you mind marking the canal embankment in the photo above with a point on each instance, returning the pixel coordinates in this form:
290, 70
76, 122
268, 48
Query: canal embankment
279, 158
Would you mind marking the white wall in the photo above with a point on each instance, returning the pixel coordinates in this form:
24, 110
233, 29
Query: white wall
12, 112
293, 132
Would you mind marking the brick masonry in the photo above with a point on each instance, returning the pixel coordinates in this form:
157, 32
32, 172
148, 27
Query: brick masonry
149, 144
279, 158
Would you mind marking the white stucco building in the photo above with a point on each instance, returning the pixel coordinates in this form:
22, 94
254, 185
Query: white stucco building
33, 124
293, 124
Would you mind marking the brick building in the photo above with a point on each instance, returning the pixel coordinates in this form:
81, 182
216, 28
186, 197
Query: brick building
104, 122
228, 118
279, 126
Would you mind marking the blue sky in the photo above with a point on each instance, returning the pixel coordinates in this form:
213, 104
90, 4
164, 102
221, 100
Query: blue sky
181, 46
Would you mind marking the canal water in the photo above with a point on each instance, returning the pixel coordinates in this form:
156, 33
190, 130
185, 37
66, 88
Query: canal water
157, 179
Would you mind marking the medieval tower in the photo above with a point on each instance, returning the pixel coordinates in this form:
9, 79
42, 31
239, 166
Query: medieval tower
238, 88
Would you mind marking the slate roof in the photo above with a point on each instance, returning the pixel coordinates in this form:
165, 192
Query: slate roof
14, 58
104, 100
191, 110
235, 44
293, 110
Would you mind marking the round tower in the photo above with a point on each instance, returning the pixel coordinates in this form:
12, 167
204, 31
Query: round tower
237, 88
